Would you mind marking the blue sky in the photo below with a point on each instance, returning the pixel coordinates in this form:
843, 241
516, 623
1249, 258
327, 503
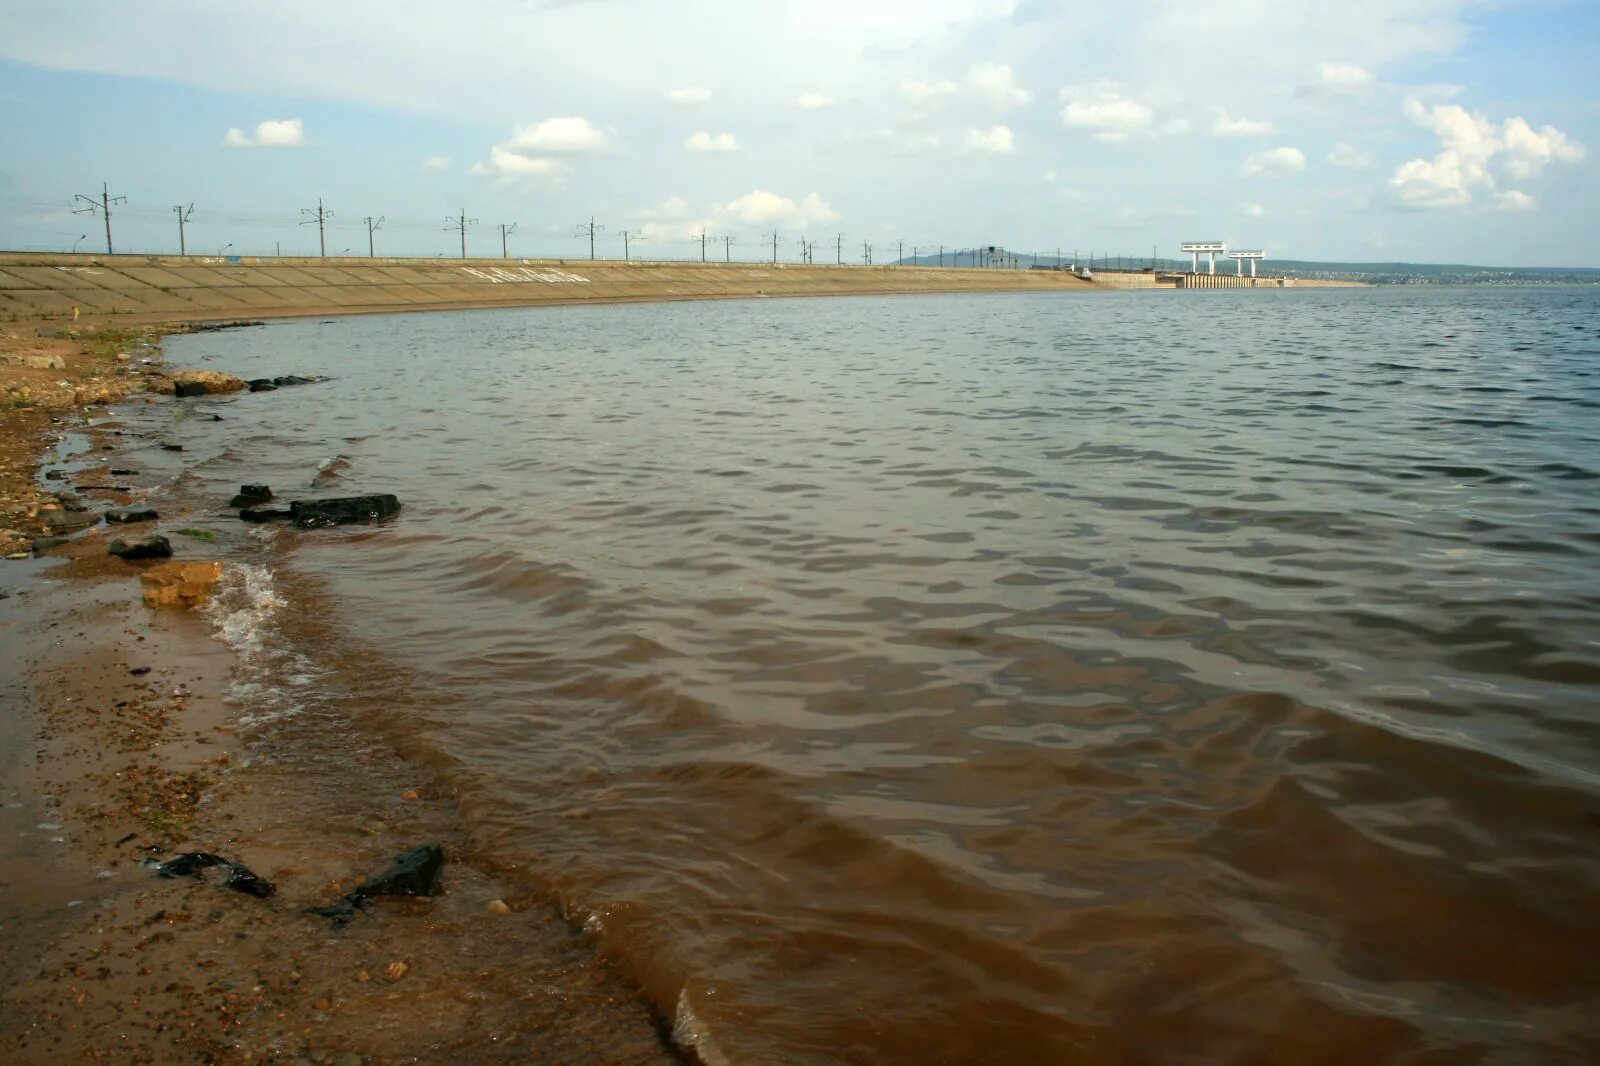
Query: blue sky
1423, 130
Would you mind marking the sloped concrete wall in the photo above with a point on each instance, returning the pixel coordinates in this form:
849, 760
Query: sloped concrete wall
206, 287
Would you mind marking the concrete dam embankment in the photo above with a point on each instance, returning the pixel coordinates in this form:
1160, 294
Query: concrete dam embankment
175, 288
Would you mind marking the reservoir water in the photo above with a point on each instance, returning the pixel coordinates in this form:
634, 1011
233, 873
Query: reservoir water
1168, 677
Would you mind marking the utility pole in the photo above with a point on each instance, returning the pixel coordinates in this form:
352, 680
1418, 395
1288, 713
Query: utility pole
702, 246
900, 258
320, 217
866, 254
506, 231
373, 225
461, 222
591, 229
625, 236
727, 249
102, 205
184, 215
941, 255
839, 249
775, 240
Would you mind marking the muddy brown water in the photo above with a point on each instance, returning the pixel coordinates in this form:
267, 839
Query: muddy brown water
1018, 678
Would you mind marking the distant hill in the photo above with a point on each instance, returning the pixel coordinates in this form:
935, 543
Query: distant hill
1373, 273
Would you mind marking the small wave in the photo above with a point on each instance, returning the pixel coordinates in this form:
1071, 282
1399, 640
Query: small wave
691, 1033
271, 679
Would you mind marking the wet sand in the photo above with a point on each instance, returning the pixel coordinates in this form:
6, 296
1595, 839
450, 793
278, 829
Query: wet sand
121, 749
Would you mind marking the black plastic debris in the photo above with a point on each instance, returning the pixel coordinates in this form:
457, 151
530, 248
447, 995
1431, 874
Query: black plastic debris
414, 873
240, 878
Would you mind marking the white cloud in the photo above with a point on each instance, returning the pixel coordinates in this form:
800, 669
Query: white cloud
689, 97
997, 140
563, 135
994, 84
701, 141
671, 207
1349, 157
1227, 126
1104, 112
1253, 211
927, 93
273, 133
509, 165
1050, 175
814, 102
1529, 151
759, 207
433, 164
1343, 77
1275, 163
1471, 146
1516, 200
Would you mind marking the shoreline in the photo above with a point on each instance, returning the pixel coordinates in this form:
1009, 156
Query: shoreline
129, 741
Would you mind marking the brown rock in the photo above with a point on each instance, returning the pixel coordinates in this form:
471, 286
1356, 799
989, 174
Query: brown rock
498, 906
410, 794
394, 971
180, 584
213, 380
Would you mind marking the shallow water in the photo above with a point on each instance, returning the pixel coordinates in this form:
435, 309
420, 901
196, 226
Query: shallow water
1168, 677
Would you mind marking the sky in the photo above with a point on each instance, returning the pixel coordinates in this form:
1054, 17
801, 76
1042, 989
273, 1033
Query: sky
1460, 131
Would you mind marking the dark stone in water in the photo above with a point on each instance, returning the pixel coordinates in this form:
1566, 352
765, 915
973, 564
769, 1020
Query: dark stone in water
209, 417
264, 514
262, 385
316, 514
240, 878
154, 546
189, 388
123, 515
251, 495
122, 472
172, 447
44, 544
295, 379
55, 475
67, 521
414, 873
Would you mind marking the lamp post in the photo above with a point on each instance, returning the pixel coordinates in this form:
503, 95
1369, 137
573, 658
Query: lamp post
79, 241
224, 248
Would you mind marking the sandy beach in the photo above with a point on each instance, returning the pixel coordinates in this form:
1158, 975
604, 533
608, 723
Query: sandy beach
121, 749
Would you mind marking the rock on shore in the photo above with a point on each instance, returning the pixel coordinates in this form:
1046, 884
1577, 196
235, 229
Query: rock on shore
210, 380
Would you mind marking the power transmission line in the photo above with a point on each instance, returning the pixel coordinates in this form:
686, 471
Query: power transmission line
775, 240
625, 237
727, 249
103, 205
461, 222
506, 231
373, 225
184, 215
591, 229
702, 246
866, 254
839, 249
320, 217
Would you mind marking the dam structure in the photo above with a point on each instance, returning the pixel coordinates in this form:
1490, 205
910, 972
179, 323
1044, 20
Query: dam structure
179, 288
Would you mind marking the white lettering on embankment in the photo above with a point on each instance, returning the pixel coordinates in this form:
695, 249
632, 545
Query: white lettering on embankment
549, 277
